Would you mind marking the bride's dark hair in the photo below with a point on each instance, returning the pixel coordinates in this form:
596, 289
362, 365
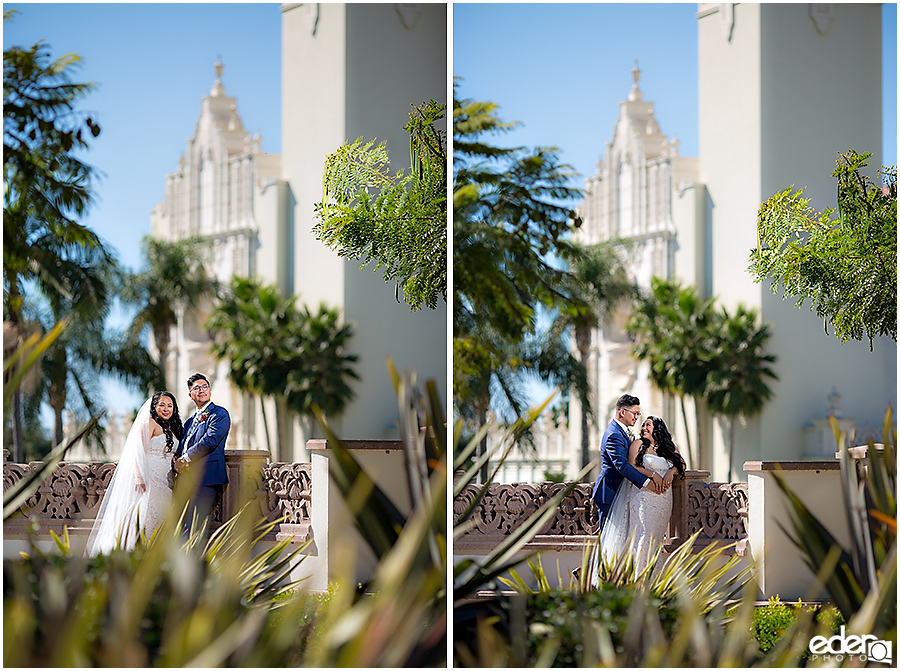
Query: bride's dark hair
665, 446
172, 426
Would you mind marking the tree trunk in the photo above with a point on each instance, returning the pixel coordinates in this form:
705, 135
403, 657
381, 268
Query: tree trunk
57, 401
18, 446
481, 406
18, 452
695, 458
161, 336
583, 342
731, 421
278, 439
262, 405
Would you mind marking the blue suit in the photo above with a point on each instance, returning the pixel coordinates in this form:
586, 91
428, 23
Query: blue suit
614, 467
204, 442
205, 434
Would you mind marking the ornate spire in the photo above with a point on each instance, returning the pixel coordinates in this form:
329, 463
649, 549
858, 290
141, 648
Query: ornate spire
635, 92
217, 88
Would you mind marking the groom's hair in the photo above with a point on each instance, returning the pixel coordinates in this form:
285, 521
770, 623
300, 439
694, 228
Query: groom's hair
196, 376
627, 401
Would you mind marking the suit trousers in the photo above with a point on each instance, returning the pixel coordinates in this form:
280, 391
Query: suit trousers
201, 505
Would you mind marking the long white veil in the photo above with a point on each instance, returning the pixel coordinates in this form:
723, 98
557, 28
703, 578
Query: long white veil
122, 505
618, 527
617, 533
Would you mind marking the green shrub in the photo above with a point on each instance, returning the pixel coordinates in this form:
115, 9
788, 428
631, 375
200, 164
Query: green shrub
572, 617
771, 621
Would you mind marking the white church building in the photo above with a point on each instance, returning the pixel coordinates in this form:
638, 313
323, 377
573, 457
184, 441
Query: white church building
763, 127
348, 71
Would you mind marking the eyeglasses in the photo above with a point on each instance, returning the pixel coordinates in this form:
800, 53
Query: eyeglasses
633, 412
199, 387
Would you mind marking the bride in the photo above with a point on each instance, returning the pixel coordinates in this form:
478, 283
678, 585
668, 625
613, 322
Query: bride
139, 492
641, 514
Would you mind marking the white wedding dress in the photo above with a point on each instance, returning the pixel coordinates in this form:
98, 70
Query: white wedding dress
637, 519
159, 496
123, 506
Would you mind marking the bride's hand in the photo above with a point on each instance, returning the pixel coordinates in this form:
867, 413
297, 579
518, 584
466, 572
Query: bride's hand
139, 486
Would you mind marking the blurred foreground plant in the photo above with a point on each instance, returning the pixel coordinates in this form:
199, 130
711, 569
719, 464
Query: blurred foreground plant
230, 602
861, 578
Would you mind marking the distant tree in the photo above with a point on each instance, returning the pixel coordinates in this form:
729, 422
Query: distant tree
674, 330
736, 385
599, 279
404, 228
46, 189
174, 280
512, 211
847, 266
276, 349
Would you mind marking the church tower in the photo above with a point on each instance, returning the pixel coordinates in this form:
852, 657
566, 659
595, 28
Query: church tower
220, 193
644, 194
785, 88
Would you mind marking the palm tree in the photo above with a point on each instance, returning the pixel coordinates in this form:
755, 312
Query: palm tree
674, 331
46, 188
174, 279
601, 283
71, 366
737, 385
278, 350
512, 210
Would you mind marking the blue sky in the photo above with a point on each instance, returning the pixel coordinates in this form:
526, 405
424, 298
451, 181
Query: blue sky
561, 70
152, 64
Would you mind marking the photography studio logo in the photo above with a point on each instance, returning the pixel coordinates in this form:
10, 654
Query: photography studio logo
867, 648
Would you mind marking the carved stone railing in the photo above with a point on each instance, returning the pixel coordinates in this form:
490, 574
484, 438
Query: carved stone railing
717, 510
71, 495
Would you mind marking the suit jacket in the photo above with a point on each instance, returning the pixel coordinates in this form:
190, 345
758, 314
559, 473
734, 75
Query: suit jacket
204, 439
614, 467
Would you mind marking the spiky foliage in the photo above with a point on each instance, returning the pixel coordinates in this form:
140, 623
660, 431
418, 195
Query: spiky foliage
167, 602
402, 228
229, 602
845, 266
471, 575
862, 577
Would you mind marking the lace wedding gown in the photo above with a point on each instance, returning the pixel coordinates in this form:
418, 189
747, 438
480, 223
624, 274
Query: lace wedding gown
122, 505
637, 519
159, 496
650, 513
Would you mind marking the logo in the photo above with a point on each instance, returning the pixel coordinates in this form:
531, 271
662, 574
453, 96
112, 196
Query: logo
866, 648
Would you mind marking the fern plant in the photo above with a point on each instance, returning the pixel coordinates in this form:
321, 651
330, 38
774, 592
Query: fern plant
398, 221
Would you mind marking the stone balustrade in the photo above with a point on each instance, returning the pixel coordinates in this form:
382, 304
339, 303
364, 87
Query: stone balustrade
718, 510
71, 495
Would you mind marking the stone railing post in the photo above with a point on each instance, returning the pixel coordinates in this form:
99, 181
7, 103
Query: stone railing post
245, 472
337, 542
679, 531
780, 567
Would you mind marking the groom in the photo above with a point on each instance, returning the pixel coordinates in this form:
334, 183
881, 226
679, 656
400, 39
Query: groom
201, 453
614, 464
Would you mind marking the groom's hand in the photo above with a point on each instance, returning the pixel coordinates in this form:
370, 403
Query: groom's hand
657, 483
